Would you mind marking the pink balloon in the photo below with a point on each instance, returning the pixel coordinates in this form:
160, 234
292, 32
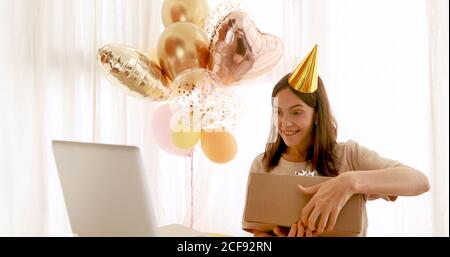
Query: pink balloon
239, 51
162, 134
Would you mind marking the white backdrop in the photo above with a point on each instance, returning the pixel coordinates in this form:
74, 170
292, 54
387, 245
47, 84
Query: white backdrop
384, 64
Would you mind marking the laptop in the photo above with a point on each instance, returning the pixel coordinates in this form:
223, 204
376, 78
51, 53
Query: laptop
105, 189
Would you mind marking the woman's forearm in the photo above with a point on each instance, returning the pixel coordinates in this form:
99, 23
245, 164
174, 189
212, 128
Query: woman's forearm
398, 181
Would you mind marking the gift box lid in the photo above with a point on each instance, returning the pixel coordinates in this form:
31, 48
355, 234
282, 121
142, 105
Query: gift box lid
276, 200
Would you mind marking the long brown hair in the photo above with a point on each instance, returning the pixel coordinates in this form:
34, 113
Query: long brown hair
324, 132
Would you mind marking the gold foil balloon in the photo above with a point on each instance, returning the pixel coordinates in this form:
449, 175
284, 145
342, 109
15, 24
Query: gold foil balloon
194, 11
182, 46
134, 72
239, 51
304, 77
153, 54
219, 147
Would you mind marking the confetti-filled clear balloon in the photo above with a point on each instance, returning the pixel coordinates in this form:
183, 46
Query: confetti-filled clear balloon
220, 110
199, 101
187, 93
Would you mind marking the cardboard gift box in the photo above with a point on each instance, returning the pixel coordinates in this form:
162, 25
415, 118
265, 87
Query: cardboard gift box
276, 200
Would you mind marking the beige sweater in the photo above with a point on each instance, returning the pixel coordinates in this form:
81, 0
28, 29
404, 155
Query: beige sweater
350, 157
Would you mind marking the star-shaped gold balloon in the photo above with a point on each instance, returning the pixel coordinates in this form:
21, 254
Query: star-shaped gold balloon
304, 77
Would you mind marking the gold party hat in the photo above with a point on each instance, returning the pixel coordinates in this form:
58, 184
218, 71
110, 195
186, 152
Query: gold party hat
304, 77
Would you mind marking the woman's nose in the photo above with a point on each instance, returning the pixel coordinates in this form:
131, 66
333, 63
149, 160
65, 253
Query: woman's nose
285, 122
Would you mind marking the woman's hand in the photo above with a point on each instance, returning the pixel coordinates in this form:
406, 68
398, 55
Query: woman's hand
279, 231
327, 201
299, 230
258, 233
296, 230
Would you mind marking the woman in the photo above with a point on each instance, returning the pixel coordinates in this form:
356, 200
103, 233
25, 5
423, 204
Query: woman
306, 139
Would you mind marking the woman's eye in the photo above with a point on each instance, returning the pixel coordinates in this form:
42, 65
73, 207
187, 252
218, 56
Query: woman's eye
297, 113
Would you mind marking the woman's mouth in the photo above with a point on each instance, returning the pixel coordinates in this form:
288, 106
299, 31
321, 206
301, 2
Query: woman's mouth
291, 133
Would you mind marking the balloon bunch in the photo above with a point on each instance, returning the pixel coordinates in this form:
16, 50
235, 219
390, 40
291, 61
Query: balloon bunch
192, 71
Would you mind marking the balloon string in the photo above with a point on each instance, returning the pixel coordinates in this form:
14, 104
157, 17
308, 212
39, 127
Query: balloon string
192, 191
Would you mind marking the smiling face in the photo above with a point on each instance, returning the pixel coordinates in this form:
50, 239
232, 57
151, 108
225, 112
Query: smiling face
306, 128
295, 121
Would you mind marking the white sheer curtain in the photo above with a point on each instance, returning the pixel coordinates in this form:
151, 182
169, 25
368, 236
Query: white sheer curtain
51, 88
439, 83
384, 63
